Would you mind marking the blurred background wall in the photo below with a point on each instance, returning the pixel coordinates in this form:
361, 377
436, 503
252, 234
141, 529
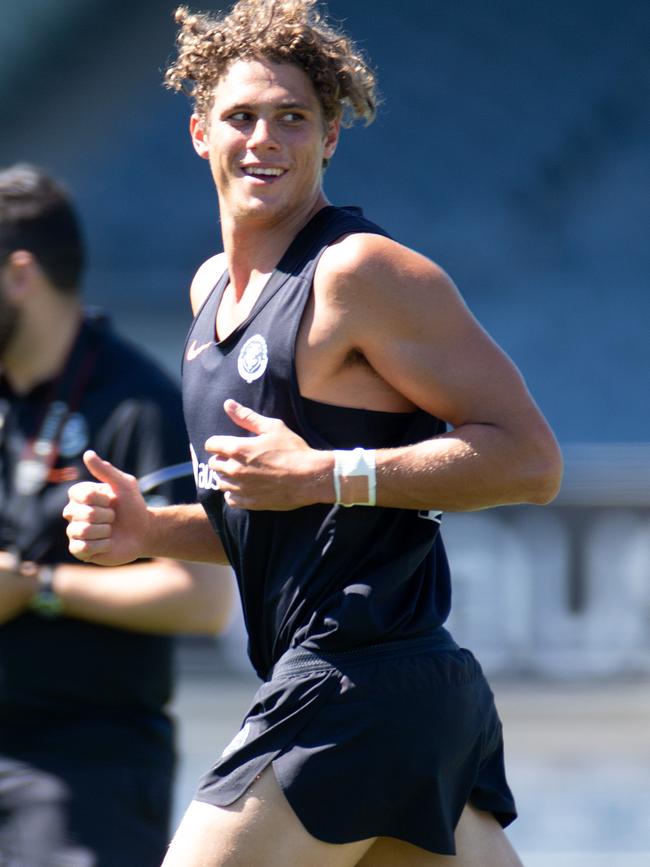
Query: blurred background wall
512, 147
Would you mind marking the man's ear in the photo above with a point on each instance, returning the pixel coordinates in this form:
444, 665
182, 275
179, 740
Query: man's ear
199, 137
332, 138
21, 269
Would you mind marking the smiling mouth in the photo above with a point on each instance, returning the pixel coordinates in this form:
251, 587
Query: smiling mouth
264, 173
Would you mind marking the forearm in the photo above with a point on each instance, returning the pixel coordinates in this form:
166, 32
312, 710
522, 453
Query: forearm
159, 596
182, 533
474, 467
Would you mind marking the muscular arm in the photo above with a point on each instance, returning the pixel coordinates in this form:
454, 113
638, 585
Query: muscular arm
183, 532
416, 345
407, 319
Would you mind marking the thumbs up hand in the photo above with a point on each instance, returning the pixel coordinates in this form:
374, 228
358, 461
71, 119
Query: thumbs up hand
273, 470
107, 519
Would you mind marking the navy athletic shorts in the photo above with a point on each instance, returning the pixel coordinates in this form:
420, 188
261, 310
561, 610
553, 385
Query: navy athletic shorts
388, 741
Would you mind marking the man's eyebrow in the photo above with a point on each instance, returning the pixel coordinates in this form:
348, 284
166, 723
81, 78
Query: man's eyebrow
300, 105
288, 104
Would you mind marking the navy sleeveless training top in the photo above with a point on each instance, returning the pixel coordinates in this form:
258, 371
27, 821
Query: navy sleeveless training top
325, 577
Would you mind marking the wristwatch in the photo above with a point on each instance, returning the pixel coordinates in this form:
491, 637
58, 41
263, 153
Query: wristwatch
46, 602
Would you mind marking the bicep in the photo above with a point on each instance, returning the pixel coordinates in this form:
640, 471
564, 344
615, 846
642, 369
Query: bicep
423, 340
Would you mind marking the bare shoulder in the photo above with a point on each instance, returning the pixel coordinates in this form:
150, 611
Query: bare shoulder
404, 315
205, 279
373, 273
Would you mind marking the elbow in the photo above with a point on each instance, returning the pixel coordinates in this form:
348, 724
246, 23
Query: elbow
210, 618
547, 489
205, 626
213, 615
205, 597
211, 623
546, 479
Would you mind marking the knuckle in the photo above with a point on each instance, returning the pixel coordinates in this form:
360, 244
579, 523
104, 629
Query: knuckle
72, 530
84, 492
77, 530
77, 549
92, 514
75, 492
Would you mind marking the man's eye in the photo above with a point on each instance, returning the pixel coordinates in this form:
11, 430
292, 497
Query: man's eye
292, 117
240, 116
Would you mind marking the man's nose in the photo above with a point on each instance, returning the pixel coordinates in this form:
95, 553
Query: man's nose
262, 135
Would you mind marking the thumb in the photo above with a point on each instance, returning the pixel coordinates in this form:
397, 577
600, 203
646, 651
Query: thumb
247, 418
104, 471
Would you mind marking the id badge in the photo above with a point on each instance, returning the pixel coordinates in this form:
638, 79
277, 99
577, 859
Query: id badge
30, 476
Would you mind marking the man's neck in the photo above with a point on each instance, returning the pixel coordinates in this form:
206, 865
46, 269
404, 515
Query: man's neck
254, 247
42, 345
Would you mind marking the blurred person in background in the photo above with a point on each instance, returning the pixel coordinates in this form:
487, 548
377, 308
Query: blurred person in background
322, 371
87, 749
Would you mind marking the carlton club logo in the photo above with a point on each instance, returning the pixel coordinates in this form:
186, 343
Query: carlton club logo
253, 358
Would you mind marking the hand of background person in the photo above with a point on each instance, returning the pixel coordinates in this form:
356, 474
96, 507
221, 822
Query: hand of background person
274, 470
9, 562
107, 519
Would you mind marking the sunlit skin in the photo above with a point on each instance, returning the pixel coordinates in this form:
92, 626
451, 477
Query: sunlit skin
265, 116
384, 329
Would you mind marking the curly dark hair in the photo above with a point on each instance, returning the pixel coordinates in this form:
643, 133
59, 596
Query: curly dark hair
282, 31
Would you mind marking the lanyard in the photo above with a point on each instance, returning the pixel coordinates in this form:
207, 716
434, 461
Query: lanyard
34, 467
40, 452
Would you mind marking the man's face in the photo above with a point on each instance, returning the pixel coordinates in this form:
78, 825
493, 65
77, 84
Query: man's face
266, 140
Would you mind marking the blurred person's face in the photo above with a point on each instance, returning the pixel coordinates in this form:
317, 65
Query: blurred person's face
266, 139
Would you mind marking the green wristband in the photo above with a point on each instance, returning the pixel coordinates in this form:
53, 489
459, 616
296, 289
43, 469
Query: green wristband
46, 602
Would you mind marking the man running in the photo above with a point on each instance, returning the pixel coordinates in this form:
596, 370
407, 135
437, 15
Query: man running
339, 397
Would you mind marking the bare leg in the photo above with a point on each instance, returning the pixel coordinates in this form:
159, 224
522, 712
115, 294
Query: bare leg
259, 830
480, 842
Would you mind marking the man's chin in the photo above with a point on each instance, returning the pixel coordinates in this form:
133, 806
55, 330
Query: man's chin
260, 209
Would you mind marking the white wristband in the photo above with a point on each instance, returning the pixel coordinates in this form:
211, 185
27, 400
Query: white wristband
355, 478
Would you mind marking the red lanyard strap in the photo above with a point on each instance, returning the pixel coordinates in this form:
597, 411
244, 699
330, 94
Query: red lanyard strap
42, 449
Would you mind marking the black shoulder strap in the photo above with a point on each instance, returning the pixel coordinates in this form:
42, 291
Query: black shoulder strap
329, 224
324, 227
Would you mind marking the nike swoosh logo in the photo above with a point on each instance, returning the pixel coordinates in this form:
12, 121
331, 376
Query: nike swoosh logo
194, 350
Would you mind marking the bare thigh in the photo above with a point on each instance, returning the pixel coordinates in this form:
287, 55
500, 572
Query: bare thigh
480, 842
258, 830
